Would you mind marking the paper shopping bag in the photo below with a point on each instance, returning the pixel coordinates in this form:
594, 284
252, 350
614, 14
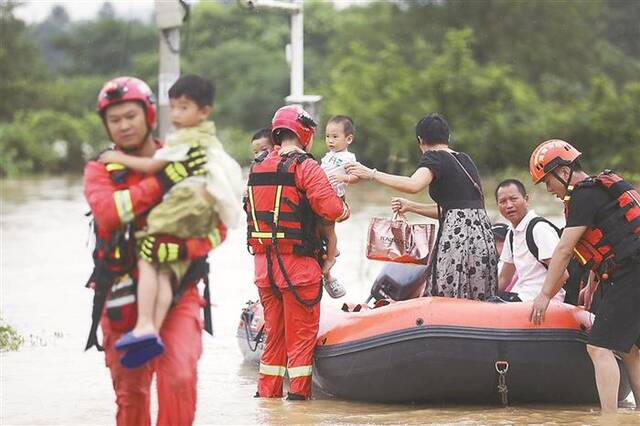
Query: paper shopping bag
396, 240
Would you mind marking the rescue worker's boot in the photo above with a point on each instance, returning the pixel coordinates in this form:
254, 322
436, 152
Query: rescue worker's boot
295, 397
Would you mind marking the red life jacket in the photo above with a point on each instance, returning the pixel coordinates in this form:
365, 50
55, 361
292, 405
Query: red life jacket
116, 249
278, 213
615, 237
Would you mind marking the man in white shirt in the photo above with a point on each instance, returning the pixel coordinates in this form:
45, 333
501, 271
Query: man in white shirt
529, 244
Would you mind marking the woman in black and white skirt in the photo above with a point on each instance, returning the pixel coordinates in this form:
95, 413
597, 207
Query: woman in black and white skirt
465, 261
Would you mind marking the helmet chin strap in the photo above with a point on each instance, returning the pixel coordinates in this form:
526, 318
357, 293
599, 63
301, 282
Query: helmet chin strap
566, 183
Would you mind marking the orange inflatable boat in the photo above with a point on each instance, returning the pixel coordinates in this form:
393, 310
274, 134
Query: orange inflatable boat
443, 350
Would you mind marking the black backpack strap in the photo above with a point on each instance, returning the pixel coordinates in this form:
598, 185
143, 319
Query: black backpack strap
531, 243
198, 270
102, 279
510, 238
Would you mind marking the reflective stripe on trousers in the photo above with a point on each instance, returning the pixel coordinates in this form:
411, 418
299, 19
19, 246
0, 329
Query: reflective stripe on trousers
272, 370
302, 371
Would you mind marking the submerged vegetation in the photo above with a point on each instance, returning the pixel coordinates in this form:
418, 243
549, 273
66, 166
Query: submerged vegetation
10, 340
506, 74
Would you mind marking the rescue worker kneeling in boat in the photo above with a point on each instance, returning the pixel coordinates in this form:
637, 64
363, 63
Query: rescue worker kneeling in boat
287, 190
603, 232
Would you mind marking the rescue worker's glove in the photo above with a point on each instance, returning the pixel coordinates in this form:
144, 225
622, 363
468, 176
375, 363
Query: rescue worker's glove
180, 170
162, 249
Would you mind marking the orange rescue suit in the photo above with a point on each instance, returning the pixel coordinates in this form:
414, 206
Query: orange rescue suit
284, 191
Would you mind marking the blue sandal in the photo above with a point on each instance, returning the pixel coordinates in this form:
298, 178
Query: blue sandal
139, 355
129, 341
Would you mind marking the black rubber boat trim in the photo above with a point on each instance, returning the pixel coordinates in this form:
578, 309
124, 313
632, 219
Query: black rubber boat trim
475, 333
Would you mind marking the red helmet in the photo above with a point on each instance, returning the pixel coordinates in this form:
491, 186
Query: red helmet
549, 155
296, 119
123, 89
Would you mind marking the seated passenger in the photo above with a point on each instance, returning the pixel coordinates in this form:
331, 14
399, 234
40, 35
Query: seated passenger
499, 234
529, 244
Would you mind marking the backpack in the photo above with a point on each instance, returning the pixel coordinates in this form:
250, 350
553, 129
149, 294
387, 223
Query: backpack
577, 273
531, 244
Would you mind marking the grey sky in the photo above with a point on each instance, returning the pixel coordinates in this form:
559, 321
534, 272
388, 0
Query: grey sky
37, 10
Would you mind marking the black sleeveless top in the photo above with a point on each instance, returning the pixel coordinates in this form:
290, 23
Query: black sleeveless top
451, 188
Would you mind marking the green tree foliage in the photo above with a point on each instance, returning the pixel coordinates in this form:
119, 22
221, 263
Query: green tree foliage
105, 46
48, 141
507, 75
10, 340
22, 70
242, 51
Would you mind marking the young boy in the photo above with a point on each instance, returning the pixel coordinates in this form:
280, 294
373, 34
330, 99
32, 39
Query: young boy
261, 141
192, 208
339, 134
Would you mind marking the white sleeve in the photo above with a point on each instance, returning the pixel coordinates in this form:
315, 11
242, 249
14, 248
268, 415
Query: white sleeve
546, 238
506, 255
172, 153
324, 163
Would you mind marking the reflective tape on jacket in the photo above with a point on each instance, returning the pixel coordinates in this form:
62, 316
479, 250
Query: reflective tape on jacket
278, 212
121, 301
215, 238
112, 167
124, 205
301, 371
272, 370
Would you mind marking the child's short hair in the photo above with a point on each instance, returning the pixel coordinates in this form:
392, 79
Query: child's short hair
347, 124
265, 132
193, 87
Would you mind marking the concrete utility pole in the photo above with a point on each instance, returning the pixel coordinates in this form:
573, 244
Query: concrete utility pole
296, 57
169, 15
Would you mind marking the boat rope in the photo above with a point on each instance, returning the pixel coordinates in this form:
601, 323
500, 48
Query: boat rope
257, 339
502, 367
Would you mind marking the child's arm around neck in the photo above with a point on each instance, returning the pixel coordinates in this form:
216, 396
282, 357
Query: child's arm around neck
139, 164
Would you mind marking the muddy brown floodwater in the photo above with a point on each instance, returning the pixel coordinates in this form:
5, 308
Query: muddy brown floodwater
50, 380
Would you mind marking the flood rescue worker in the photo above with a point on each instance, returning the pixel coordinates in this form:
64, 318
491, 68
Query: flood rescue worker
120, 200
287, 190
602, 231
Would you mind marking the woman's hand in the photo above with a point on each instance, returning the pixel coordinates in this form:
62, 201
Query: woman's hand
400, 205
359, 170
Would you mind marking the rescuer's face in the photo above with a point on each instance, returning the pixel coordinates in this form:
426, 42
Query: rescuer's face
127, 125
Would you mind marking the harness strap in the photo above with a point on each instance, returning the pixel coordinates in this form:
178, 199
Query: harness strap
102, 278
198, 270
252, 204
292, 288
272, 179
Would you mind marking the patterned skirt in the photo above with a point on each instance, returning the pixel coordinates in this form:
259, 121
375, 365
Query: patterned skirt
465, 262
